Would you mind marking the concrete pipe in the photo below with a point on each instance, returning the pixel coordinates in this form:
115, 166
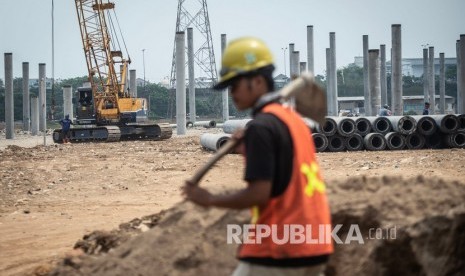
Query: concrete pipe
394, 141
320, 141
425, 125
362, 126
345, 126
456, 140
403, 124
354, 142
434, 141
374, 141
461, 121
446, 123
206, 124
189, 124
329, 128
415, 141
213, 141
336, 143
380, 125
231, 125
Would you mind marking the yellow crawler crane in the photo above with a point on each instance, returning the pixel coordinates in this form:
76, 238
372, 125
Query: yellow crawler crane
105, 108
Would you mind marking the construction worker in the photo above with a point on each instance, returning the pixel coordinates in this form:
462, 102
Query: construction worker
284, 183
426, 109
66, 128
385, 111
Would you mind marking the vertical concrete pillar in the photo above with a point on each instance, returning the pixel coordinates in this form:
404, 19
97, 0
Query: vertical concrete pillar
26, 96
291, 59
225, 93
442, 84
42, 97
133, 83
462, 71
383, 75
332, 47
34, 115
366, 85
303, 67
295, 64
431, 82
459, 107
310, 50
68, 101
180, 83
190, 65
328, 82
396, 75
425, 75
374, 80
9, 100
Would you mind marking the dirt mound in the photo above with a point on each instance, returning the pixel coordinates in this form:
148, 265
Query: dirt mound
423, 222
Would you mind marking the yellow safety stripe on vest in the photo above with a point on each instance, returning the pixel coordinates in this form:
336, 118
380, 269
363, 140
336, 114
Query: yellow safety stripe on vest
313, 180
255, 214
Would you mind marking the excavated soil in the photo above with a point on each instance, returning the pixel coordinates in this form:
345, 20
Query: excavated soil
60, 197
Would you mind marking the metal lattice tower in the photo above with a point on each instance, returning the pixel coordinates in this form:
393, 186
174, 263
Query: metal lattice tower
194, 14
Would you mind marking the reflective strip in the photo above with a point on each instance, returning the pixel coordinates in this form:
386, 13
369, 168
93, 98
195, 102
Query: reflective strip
313, 180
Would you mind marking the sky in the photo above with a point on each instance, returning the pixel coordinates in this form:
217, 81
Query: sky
26, 30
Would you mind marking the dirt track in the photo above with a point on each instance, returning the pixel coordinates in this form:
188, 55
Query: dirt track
50, 197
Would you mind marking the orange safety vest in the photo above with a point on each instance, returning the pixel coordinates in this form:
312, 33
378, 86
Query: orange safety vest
304, 201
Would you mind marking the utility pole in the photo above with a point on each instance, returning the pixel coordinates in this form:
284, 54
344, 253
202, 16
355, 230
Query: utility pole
143, 62
284, 50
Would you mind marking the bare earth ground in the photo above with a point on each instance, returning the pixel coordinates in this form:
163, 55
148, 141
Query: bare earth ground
51, 196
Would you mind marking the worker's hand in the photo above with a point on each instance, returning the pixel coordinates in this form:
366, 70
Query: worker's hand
196, 194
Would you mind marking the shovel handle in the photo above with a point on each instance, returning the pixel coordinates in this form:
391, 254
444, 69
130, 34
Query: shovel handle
225, 149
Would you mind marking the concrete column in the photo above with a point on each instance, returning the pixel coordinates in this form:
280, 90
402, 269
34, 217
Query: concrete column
225, 93
366, 85
431, 82
328, 82
374, 75
9, 99
291, 66
68, 101
462, 71
303, 67
190, 65
425, 75
396, 75
442, 84
42, 97
34, 115
133, 83
332, 47
459, 107
26, 103
180, 83
310, 51
383, 75
295, 64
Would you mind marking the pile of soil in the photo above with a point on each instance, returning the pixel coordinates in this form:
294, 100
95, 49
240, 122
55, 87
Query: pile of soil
426, 216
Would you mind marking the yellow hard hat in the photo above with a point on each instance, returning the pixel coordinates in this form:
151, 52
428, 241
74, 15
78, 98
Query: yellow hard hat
243, 56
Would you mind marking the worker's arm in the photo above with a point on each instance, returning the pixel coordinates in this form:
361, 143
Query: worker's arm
257, 193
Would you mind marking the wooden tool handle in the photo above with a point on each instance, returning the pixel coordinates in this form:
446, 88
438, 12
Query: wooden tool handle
225, 149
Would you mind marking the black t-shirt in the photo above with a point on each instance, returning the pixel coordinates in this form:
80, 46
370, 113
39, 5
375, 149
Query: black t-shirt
269, 151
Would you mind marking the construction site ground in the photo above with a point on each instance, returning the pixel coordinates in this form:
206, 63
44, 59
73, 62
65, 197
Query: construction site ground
50, 197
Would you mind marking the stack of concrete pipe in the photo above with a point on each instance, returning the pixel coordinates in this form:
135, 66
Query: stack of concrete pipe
371, 133
389, 133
